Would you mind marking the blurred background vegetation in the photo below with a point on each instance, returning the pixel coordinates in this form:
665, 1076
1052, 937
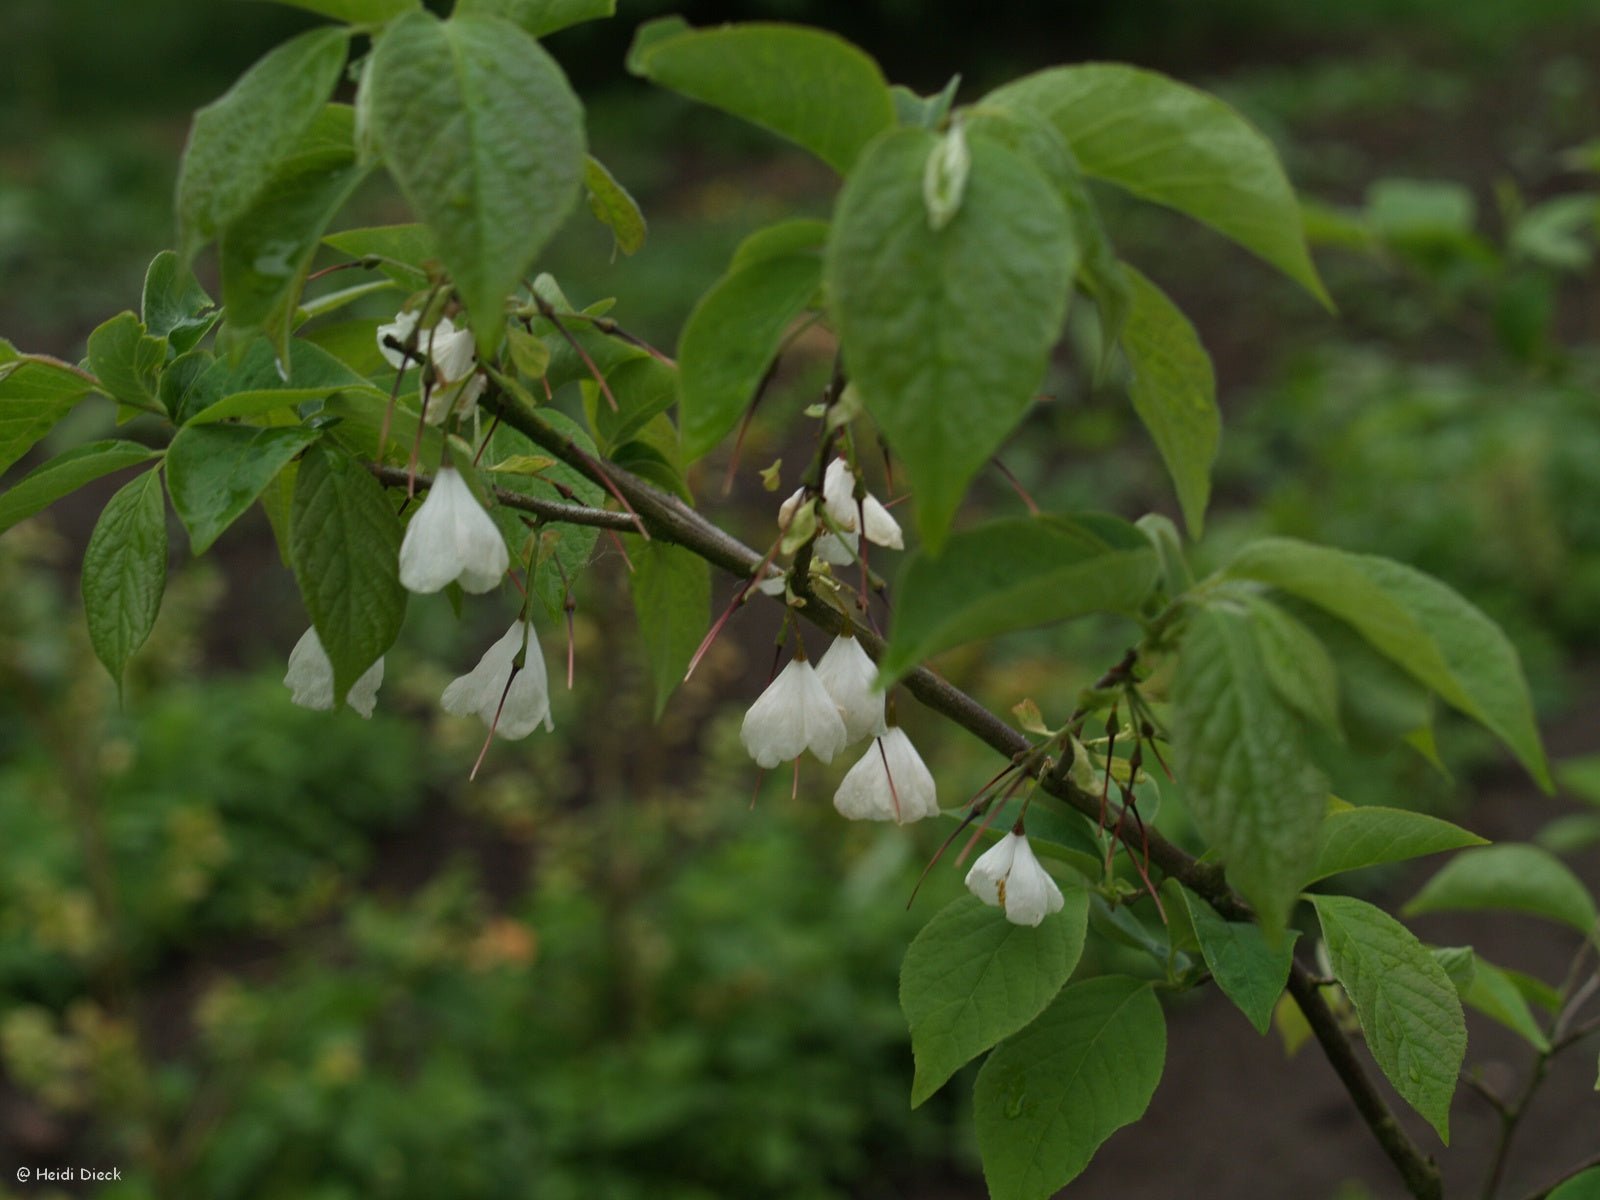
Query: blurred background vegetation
252, 951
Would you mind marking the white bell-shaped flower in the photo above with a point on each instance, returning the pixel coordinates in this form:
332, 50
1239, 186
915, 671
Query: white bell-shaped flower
793, 715
838, 549
850, 677
399, 330
310, 678
890, 782
1008, 876
871, 518
452, 539
513, 705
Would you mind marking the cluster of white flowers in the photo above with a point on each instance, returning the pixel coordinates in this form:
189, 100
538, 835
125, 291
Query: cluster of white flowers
853, 519
451, 539
457, 383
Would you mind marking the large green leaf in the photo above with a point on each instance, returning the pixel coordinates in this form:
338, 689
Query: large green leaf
672, 600
125, 572
811, 87
1049, 1096
345, 547
254, 386
1242, 758
65, 473
1174, 391
267, 250
947, 334
485, 137
643, 388
174, 305
731, 336
35, 393
1298, 664
1352, 838
1423, 626
1408, 1008
215, 472
356, 12
1508, 878
1012, 574
400, 251
1178, 146
1250, 972
540, 17
126, 360
238, 141
1493, 993
971, 978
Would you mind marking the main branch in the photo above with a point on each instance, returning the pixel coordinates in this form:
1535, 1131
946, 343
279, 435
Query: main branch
671, 520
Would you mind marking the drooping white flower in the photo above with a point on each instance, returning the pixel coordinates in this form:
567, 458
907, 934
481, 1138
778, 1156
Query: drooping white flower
483, 691
890, 782
872, 518
452, 538
310, 678
793, 715
457, 383
398, 330
838, 549
1008, 876
850, 676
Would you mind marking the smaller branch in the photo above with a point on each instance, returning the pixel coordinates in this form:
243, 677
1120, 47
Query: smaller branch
552, 511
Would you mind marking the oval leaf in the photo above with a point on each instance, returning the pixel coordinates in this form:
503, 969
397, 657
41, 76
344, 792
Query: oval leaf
947, 334
215, 472
1421, 624
1174, 392
613, 206
125, 572
1049, 1096
1250, 972
1012, 574
1493, 993
1353, 838
811, 87
65, 473
238, 141
345, 546
1243, 762
1508, 878
672, 599
971, 978
485, 137
35, 393
730, 339
1176, 145
1408, 1008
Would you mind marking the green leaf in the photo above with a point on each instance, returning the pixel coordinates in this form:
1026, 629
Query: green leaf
345, 546
1241, 755
613, 206
1353, 838
238, 141
730, 338
1570, 834
1298, 664
811, 87
971, 978
1583, 1186
947, 334
356, 12
798, 236
125, 572
1012, 574
215, 472
1249, 971
402, 252
672, 599
127, 360
484, 136
1423, 626
1049, 1096
1508, 878
65, 473
1407, 1005
1458, 964
35, 393
1178, 146
254, 386
1174, 391
1493, 993
266, 251
175, 306
540, 17
644, 388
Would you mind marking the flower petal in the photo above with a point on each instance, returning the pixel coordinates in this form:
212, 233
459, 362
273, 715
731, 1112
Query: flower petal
991, 869
1030, 893
864, 793
849, 675
913, 782
880, 528
310, 673
839, 494
399, 329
